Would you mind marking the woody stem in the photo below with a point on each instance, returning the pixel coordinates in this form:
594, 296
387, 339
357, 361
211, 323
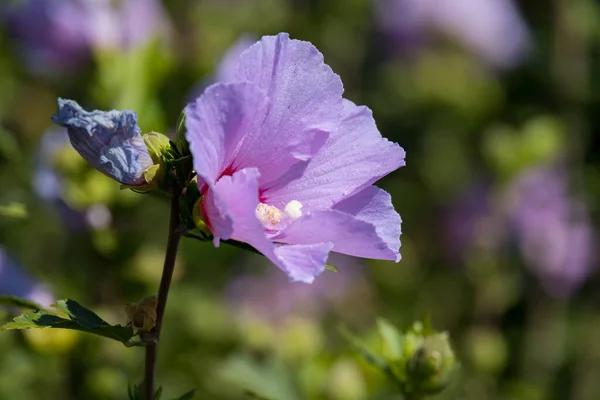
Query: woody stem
163, 292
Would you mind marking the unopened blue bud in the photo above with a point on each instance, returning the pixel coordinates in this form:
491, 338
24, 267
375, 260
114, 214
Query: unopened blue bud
110, 141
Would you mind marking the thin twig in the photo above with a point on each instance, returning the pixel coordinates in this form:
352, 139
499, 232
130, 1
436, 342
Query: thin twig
163, 292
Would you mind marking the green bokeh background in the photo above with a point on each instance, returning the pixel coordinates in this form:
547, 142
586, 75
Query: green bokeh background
460, 122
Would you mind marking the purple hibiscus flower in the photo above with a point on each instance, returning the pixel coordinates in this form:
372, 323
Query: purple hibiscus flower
553, 229
493, 29
62, 34
286, 164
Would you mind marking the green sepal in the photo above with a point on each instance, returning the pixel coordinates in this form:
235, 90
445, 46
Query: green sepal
180, 141
77, 318
181, 169
331, 268
198, 220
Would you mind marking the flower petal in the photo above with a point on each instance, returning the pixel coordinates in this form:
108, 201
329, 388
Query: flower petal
306, 104
237, 199
110, 141
303, 262
354, 157
217, 122
374, 205
349, 234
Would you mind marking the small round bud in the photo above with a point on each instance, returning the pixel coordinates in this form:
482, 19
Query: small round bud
431, 365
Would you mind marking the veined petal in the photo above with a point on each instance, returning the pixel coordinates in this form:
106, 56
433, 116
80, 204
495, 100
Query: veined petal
218, 121
303, 262
237, 199
349, 234
374, 205
110, 141
354, 157
305, 104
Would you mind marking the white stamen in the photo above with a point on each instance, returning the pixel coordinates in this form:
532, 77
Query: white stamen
268, 215
293, 209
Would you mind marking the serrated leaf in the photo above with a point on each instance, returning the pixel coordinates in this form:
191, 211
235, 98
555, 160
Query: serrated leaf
331, 268
187, 396
391, 339
14, 301
78, 318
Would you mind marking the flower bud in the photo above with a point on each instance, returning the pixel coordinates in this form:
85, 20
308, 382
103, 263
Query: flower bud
142, 315
431, 366
110, 141
159, 148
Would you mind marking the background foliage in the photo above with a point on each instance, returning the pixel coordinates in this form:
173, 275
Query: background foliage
499, 116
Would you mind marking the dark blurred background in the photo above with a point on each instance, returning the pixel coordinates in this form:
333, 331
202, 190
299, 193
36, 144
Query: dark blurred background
497, 105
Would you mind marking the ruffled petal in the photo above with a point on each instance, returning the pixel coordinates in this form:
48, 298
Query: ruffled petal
354, 157
217, 122
110, 141
303, 262
306, 104
374, 205
233, 201
349, 234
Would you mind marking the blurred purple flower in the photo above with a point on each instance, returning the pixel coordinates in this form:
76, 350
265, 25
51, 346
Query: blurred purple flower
60, 34
493, 29
462, 220
227, 68
14, 281
273, 298
286, 164
553, 228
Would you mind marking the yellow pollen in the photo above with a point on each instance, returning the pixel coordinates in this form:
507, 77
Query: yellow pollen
268, 215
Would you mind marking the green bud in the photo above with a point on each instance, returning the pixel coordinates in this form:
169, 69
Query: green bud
430, 368
161, 152
180, 141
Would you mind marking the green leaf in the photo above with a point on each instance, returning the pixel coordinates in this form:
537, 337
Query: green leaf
14, 301
331, 268
187, 396
79, 319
